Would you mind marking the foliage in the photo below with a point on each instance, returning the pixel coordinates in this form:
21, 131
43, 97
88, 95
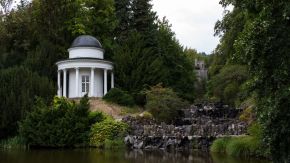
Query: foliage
243, 146
120, 97
136, 65
147, 52
37, 34
248, 115
33, 37
146, 115
114, 144
177, 69
219, 145
65, 124
246, 146
19, 87
105, 132
192, 55
12, 143
164, 104
228, 84
262, 42
95, 117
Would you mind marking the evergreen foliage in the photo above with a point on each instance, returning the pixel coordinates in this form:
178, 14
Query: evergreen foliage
136, 66
177, 68
120, 97
65, 124
19, 87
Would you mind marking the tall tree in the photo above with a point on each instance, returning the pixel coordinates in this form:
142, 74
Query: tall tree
144, 21
180, 71
135, 66
124, 14
19, 87
263, 43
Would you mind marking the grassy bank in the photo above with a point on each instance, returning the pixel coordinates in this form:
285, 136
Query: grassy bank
245, 146
13, 143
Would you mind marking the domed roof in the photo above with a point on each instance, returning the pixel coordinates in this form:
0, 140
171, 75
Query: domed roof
86, 41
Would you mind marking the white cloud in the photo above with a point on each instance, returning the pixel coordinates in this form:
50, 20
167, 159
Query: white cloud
192, 20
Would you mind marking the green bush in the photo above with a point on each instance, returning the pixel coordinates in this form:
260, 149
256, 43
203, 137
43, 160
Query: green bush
120, 97
164, 104
95, 117
65, 124
107, 131
227, 85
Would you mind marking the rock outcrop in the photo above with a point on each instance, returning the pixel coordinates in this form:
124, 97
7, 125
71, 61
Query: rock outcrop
199, 127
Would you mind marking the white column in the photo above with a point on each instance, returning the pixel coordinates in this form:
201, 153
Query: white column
112, 80
64, 83
92, 81
77, 82
58, 84
105, 82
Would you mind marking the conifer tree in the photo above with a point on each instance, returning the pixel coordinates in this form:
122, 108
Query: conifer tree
124, 13
145, 21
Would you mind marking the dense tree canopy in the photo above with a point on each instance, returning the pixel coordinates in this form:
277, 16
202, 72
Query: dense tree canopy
257, 34
19, 87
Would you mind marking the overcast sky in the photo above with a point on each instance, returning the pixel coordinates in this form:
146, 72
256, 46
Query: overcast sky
192, 21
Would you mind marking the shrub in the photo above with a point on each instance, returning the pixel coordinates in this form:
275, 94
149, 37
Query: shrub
120, 97
107, 131
65, 124
227, 85
95, 117
147, 115
164, 104
248, 115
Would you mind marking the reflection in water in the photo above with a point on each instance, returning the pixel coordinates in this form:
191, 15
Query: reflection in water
97, 156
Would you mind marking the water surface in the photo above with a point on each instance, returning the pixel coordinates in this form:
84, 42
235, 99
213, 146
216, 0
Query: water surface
109, 156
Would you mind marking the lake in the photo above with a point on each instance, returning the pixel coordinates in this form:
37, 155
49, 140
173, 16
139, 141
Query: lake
111, 156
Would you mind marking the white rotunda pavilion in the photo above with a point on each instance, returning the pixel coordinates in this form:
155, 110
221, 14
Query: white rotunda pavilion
86, 71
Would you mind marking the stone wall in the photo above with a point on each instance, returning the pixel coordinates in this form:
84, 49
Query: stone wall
200, 126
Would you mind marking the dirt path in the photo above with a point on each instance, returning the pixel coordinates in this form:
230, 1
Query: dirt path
105, 107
